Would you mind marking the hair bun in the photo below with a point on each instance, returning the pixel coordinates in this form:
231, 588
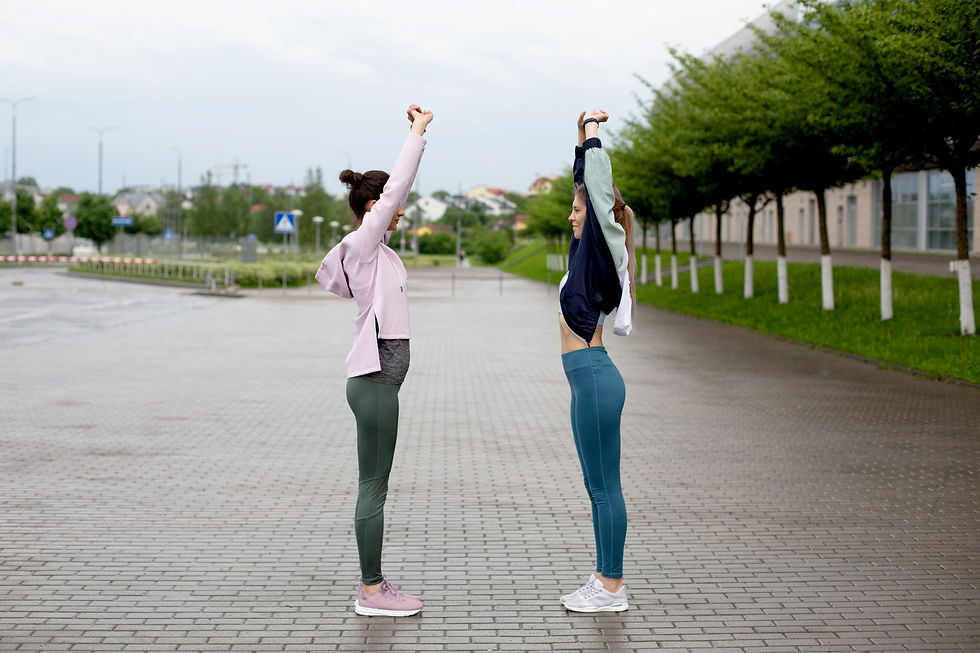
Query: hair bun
350, 177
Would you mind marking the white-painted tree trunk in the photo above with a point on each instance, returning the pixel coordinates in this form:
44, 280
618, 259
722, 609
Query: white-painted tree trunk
968, 323
782, 279
695, 282
673, 271
719, 283
643, 268
886, 290
827, 282
658, 273
749, 290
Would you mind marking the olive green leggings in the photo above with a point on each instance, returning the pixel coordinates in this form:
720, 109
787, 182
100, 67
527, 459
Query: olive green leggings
375, 407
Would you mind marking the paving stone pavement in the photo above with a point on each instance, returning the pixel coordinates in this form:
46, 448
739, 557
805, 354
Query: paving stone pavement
178, 472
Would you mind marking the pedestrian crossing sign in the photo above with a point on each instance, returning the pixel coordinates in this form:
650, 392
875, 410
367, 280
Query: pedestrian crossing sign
285, 223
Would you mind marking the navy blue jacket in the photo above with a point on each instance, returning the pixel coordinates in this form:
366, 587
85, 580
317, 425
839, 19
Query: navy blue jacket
593, 284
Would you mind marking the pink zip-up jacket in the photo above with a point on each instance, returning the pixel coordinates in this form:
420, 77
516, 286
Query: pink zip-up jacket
362, 266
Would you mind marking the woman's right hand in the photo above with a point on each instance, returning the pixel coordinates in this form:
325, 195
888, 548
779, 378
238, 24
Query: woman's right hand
420, 119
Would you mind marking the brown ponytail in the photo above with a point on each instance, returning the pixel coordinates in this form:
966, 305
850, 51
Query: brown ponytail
363, 188
624, 216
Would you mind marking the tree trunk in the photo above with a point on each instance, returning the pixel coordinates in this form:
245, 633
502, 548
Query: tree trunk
826, 267
886, 244
782, 275
693, 261
719, 283
749, 289
673, 254
657, 263
968, 324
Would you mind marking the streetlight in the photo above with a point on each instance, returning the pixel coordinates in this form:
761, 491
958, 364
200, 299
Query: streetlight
298, 213
317, 219
333, 234
100, 131
179, 226
13, 164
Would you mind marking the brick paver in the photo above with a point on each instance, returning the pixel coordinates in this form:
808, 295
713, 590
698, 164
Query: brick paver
178, 472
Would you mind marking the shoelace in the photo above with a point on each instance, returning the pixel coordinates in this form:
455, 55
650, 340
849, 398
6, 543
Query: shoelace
590, 592
390, 591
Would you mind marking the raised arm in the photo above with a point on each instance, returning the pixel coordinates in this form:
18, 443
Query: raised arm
376, 221
599, 184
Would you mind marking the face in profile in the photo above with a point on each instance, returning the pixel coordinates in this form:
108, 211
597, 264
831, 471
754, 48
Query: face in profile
399, 212
577, 216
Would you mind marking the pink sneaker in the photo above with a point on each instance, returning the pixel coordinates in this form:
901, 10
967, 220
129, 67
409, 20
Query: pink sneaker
386, 602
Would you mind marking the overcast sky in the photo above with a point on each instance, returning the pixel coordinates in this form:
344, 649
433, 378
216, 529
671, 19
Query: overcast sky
283, 86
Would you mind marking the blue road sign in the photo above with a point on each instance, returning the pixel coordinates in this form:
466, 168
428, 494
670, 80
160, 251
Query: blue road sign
168, 234
120, 221
285, 223
48, 233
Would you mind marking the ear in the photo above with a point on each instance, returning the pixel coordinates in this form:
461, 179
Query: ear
370, 205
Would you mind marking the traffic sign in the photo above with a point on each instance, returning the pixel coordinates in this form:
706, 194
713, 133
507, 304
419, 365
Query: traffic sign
168, 234
48, 233
123, 208
285, 223
120, 221
70, 222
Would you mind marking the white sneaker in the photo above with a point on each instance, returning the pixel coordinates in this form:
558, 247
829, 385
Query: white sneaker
571, 595
595, 598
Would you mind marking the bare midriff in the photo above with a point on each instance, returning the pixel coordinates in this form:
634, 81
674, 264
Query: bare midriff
571, 342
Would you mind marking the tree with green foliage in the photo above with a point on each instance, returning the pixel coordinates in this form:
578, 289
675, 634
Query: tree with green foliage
49, 216
318, 202
940, 38
233, 212
547, 213
853, 60
5, 213
26, 211
204, 219
493, 246
95, 213
145, 224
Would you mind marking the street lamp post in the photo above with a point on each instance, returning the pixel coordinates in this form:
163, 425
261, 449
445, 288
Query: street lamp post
13, 165
179, 226
333, 234
298, 213
318, 220
100, 131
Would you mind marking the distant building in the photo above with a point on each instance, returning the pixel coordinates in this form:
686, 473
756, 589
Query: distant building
143, 202
542, 185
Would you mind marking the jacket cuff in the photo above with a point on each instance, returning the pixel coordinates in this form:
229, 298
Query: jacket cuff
591, 142
579, 151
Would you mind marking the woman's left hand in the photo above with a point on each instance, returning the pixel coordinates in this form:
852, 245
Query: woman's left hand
600, 115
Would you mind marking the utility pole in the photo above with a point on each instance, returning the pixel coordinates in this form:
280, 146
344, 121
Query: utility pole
13, 165
100, 131
179, 226
459, 226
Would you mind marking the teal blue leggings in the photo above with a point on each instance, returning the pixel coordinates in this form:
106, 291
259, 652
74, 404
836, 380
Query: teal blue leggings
598, 396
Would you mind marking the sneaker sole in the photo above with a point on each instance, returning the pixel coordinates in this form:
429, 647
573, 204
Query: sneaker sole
377, 612
615, 607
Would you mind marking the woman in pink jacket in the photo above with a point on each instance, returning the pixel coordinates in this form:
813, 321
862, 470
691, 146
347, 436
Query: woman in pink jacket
362, 266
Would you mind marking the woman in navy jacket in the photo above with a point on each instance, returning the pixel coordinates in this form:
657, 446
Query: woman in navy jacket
599, 280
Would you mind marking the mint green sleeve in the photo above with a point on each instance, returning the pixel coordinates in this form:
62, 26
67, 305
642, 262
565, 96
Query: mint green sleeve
599, 185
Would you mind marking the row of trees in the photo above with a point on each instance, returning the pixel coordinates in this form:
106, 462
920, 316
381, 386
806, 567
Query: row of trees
849, 89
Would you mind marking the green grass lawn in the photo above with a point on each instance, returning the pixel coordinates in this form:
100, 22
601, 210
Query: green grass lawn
924, 335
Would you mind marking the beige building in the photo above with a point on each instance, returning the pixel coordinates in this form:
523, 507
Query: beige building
923, 216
